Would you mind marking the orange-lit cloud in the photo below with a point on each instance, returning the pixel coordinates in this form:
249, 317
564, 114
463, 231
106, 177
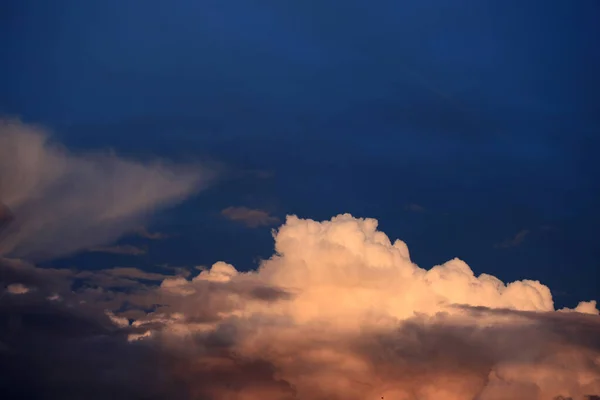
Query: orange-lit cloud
341, 312
17, 288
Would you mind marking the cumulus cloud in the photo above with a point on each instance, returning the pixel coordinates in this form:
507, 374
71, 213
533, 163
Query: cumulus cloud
62, 202
252, 218
586, 307
338, 312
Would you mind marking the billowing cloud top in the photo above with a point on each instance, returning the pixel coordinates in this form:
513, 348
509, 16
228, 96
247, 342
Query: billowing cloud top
63, 202
338, 312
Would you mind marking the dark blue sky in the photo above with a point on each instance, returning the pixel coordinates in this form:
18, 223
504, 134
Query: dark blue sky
484, 113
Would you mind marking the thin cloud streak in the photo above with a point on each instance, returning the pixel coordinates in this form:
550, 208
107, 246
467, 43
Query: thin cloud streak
122, 249
146, 234
517, 240
414, 208
252, 218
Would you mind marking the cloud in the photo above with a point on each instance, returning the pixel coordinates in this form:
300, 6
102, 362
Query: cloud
517, 240
414, 208
17, 288
63, 202
586, 307
134, 273
55, 352
5, 216
252, 218
338, 312
144, 233
125, 249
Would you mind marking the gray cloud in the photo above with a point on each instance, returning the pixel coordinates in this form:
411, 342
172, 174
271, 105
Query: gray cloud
125, 249
517, 240
414, 208
6, 216
464, 356
63, 202
252, 218
134, 273
144, 233
338, 312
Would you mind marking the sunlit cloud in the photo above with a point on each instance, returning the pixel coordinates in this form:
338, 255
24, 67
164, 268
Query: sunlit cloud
339, 311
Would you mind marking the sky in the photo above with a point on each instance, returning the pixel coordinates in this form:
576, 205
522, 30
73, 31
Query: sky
144, 135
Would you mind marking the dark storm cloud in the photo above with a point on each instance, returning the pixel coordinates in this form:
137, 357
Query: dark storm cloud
55, 352
68, 347
425, 349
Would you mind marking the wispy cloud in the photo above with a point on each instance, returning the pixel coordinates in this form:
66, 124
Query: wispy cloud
63, 202
251, 217
125, 249
134, 273
515, 241
144, 233
414, 208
